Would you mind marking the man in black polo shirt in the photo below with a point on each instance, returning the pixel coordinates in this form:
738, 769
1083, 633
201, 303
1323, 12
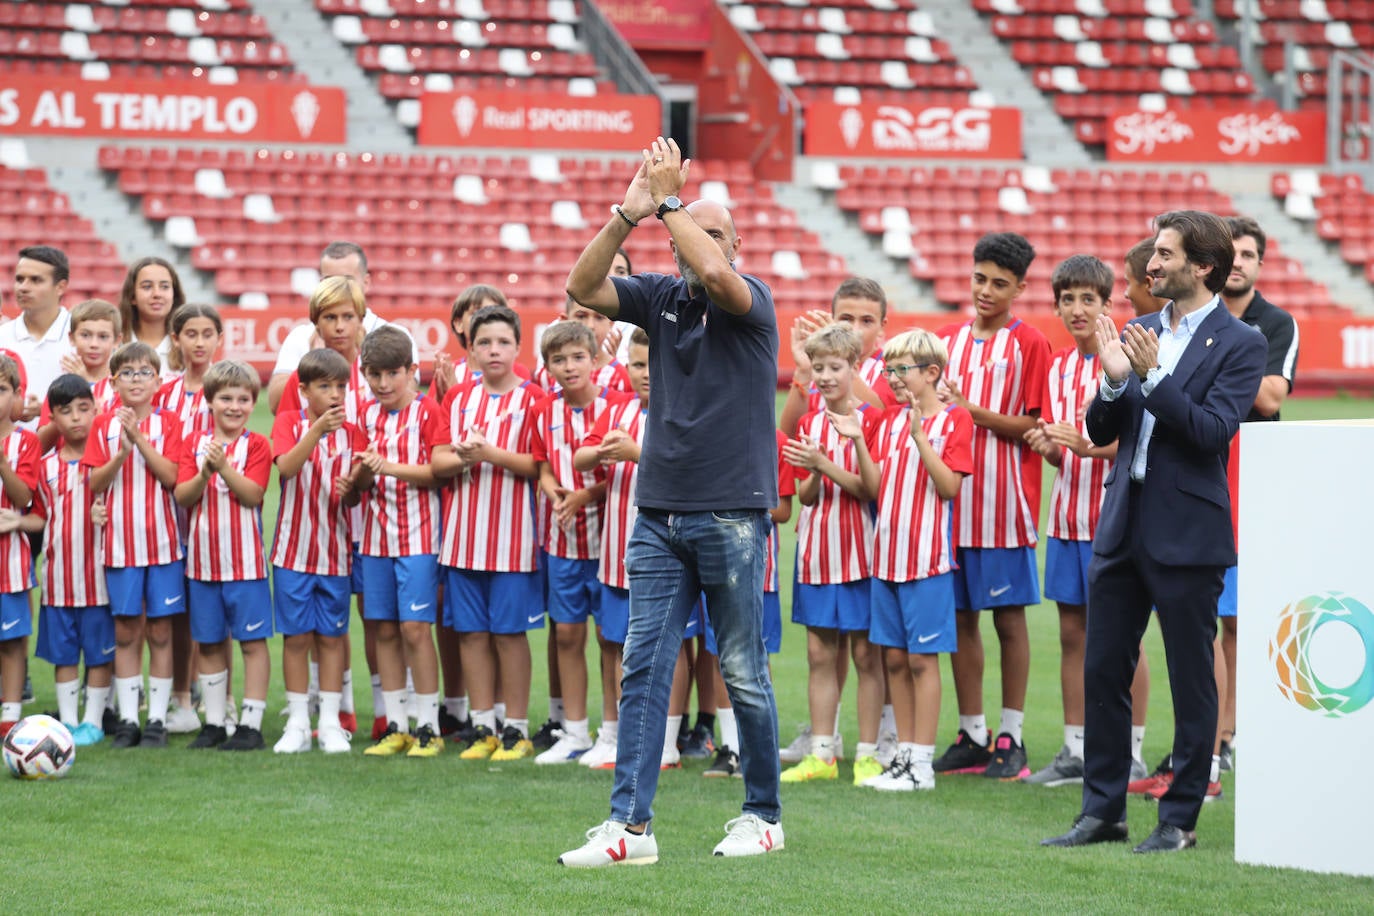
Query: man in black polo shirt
707, 480
1281, 332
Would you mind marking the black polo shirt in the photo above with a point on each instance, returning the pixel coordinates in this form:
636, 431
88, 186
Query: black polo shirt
1281, 331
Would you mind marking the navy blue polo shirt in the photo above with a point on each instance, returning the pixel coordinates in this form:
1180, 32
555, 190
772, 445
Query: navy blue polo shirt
709, 441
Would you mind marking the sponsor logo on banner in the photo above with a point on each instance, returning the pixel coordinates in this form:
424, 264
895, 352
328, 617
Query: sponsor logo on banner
1317, 663
187, 110
900, 130
1202, 135
538, 120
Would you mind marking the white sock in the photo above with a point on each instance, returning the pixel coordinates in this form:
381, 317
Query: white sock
729, 729
1215, 775
11, 712
822, 746
485, 717
410, 681
610, 731
1012, 719
96, 698
297, 710
394, 702
346, 694
670, 736
313, 689
412, 704
159, 698
838, 708
922, 755
329, 709
378, 701
865, 750
977, 728
556, 709
520, 725
427, 711
456, 707
887, 724
576, 728
68, 700
214, 690
1138, 742
500, 709
110, 701
127, 688
1073, 740
251, 717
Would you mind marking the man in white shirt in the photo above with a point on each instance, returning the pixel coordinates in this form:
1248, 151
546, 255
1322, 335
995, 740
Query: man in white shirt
40, 334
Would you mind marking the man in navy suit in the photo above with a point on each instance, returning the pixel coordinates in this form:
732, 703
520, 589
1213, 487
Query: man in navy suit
1174, 389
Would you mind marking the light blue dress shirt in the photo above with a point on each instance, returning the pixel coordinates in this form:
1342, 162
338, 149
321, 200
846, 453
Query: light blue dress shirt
1172, 343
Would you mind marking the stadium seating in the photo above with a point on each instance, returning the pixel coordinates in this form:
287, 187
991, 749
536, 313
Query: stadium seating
847, 52
442, 45
219, 40
1094, 56
1341, 207
932, 217
1315, 27
434, 224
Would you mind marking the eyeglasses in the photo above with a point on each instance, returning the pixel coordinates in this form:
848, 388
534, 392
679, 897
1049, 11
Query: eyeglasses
140, 375
894, 371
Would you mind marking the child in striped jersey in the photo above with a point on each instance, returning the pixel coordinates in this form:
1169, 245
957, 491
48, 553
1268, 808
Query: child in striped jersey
95, 329
493, 591
1082, 292
614, 444
316, 451
18, 480
221, 478
399, 542
75, 619
922, 450
132, 452
834, 547
570, 518
606, 371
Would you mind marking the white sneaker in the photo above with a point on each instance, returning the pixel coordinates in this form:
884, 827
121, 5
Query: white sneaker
565, 750
749, 835
799, 748
671, 759
887, 749
902, 776
334, 740
602, 754
295, 740
182, 720
611, 844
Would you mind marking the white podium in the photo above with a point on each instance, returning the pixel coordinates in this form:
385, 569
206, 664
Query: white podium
1305, 654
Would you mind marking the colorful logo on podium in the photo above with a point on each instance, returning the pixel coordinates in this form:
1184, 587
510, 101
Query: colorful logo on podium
1291, 653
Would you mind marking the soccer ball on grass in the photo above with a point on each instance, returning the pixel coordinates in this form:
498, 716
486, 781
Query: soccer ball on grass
39, 747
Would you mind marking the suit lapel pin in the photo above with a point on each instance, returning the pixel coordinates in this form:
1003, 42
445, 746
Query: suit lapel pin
1209, 341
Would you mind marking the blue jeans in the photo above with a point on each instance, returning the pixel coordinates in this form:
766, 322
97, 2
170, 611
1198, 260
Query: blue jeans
671, 559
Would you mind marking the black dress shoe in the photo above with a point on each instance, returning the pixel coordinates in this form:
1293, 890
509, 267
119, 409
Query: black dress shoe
1168, 838
1088, 830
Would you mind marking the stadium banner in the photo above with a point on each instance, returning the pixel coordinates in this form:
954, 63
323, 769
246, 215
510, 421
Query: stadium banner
661, 23
172, 109
873, 129
1305, 657
1208, 135
1338, 347
538, 120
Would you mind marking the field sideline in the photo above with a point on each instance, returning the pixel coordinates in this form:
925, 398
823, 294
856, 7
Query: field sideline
164, 830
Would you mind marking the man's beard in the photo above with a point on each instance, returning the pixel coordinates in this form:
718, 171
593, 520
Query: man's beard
1245, 286
693, 280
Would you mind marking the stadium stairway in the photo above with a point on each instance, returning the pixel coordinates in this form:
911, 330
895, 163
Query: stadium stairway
299, 26
1046, 138
1323, 262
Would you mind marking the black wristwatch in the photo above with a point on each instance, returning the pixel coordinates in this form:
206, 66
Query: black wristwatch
670, 203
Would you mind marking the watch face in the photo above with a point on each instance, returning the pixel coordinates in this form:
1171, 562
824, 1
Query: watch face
672, 203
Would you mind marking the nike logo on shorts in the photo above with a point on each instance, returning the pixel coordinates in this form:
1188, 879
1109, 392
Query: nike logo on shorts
998, 592
253, 626
925, 639
418, 607
168, 602
9, 626
108, 650
535, 619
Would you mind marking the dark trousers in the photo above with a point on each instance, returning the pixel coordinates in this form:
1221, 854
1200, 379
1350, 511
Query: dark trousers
1122, 589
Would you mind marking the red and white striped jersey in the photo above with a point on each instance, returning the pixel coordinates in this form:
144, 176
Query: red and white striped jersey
1006, 374
20, 448
835, 533
73, 573
399, 518
913, 532
871, 371
359, 394
313, 531
619, 512
189, 406
1076, 499
612, 375
488, 510
558, 430
787, 488
142, 530
224, 542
